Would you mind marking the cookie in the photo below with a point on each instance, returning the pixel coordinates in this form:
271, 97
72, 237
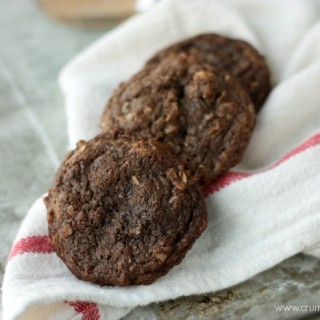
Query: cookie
122, 211
205, 116
235, 56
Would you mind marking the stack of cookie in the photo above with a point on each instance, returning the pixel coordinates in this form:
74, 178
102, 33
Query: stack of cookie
198, 96
127, 205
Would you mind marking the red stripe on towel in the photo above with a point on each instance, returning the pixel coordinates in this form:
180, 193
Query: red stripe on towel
35, 244
311, 142
224, 181
42, 244
234, 176
89, 310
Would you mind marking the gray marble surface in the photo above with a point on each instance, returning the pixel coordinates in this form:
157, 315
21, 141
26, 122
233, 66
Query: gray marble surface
33, 48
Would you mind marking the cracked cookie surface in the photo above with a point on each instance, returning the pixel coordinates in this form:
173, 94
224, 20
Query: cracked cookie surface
122, 210
235, 56
205, 116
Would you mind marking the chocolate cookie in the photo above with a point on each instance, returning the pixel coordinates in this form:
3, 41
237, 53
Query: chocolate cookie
204, 116
122, 211
237, 57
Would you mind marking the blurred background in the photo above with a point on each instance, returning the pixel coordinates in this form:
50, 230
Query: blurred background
94, 13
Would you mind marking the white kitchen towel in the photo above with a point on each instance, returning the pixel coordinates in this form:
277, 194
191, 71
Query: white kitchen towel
260, 213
